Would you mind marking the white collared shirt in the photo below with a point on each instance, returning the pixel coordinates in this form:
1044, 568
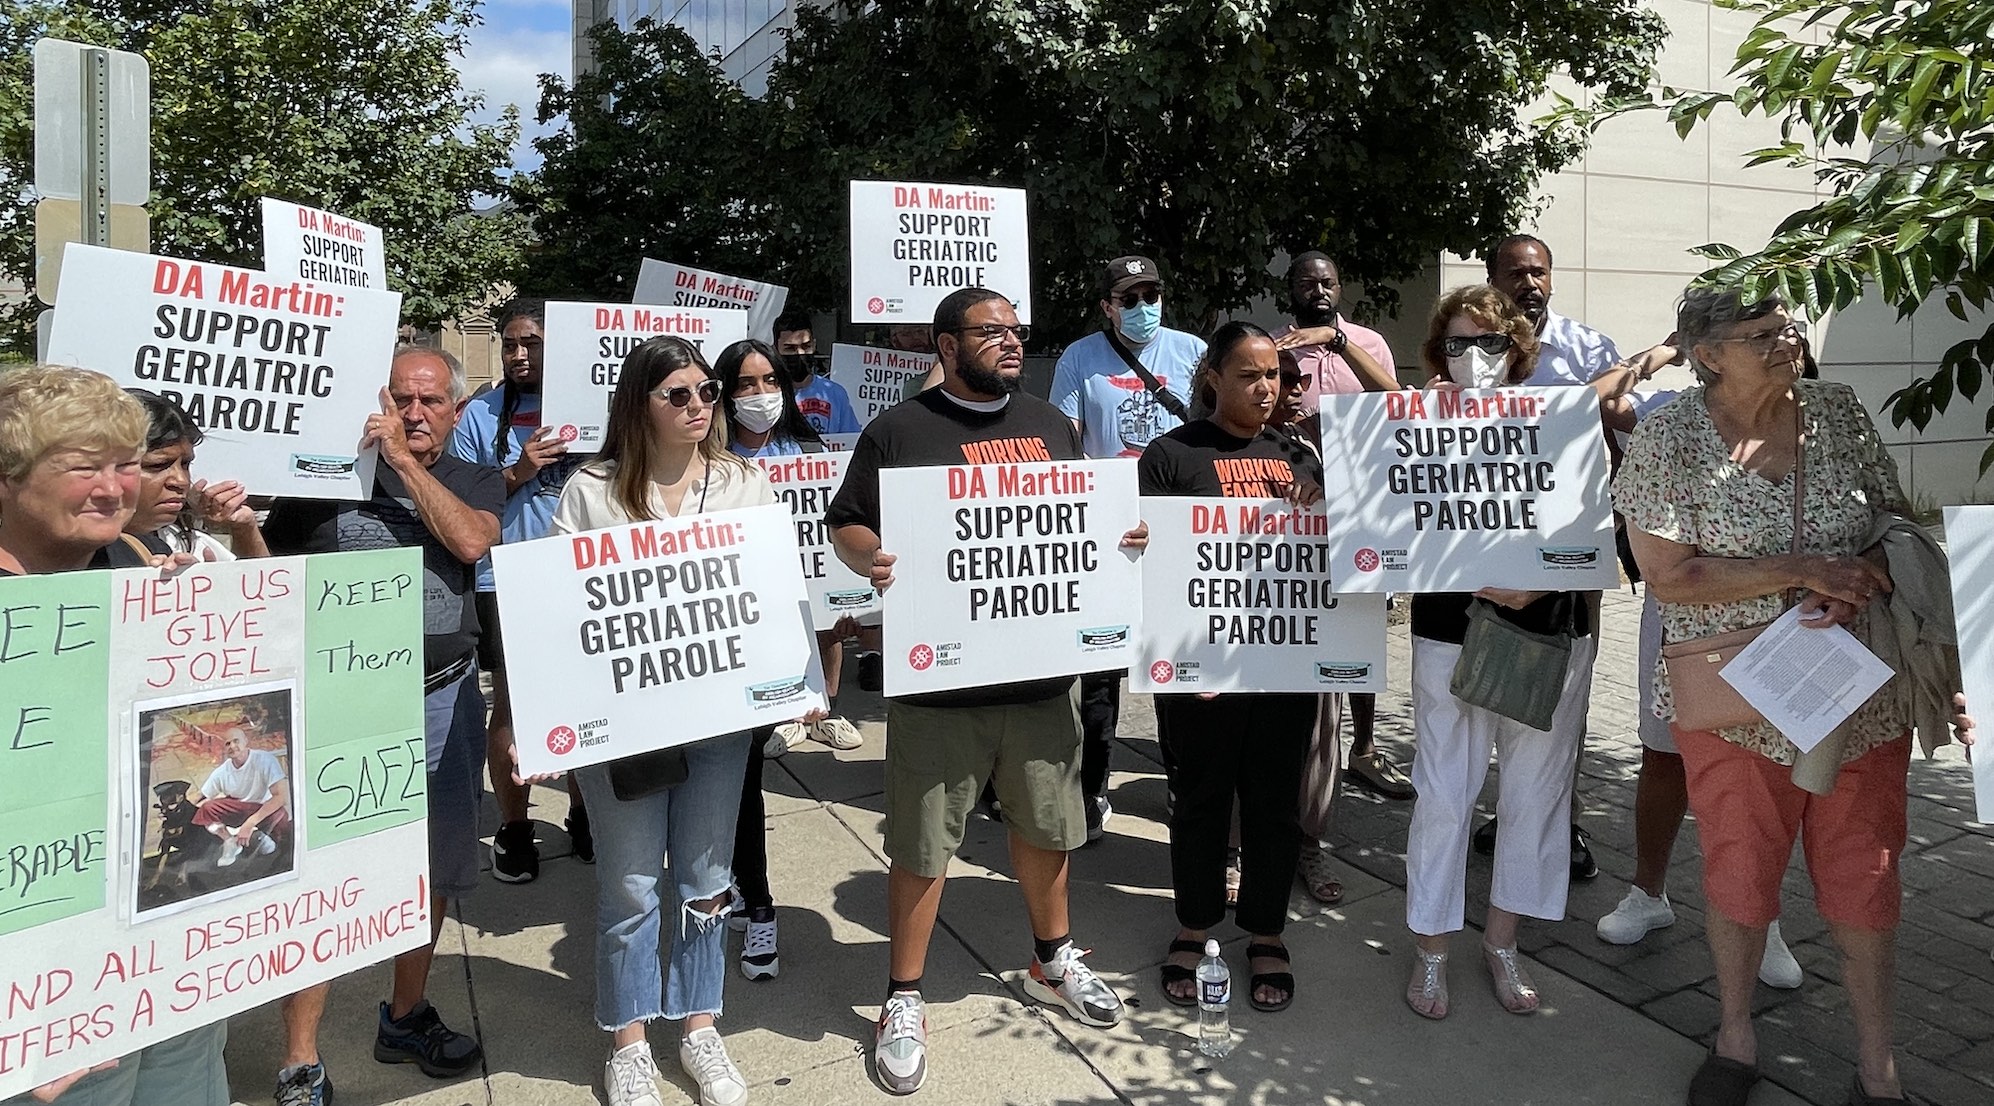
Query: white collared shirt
1570, 352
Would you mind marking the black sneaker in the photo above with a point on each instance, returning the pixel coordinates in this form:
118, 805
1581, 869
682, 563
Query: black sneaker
1484, 839
579, 836
1583, 865
515, 858
309, 1085
421, 1038
872, 672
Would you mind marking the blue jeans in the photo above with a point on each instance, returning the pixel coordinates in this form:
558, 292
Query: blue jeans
694, 823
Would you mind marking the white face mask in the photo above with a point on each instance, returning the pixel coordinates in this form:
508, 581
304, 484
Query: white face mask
758, 412
1475, 367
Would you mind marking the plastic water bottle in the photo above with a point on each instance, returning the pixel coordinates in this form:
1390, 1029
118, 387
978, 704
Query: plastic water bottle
1214, 992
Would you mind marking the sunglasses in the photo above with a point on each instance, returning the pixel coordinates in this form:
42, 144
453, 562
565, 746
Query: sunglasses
709, 392
1131, 298
1297, 380
1487, 343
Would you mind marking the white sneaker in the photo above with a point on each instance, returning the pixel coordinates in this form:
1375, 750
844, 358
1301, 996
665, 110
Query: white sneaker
900, 1045
758, 959
705, 1059
265, 845
1778, 968
1638, 915
786, 737
837, 733
630, 1078
231, 849
1071, 985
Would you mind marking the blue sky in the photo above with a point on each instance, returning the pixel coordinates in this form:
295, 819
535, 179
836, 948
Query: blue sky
519, 40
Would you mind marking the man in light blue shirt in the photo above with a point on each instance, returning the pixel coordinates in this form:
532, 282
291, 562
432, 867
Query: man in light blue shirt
822, 400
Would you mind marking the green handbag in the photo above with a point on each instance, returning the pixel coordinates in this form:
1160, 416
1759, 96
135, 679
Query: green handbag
1517, 673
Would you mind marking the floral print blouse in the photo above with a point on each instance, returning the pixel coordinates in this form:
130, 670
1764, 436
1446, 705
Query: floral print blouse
1678, 482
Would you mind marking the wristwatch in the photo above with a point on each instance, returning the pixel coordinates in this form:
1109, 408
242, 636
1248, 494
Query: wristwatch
1340, 342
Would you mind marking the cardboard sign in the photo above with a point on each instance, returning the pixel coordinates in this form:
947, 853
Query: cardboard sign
1970, 548
646, 636
151, 715
876, 378
585, 347
806, 483
279, 373
1464, 489
1008, 572
1237, 595
661, 282
913, 244
308, 243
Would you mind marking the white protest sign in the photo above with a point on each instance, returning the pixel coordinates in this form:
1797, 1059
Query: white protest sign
1022, 576
913, 244
585, 345
279, 374
840, 443
213, 797
1457, 490
662, 282
1970, 549
656, 634
806, 482
1237, 596
309, 243
874, 377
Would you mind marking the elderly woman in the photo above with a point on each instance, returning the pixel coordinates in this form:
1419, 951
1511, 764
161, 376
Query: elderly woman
1708, 490
1479, 338
69, 481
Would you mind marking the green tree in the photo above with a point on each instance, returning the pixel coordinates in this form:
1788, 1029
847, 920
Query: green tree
1895, 113
352, 105
1211, 134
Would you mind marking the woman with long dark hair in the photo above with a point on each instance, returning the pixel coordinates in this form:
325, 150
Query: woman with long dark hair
172, 505
664, 456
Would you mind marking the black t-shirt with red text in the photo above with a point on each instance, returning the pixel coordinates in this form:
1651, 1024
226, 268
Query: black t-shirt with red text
1201, 458
934, 429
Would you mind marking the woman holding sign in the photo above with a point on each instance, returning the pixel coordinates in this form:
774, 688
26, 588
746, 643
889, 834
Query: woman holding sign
664, 456
172, 504
70, 442
1758, 492
1478, 338
1222, 748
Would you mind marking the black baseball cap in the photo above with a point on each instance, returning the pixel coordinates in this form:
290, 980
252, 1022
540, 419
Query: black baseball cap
1124, 273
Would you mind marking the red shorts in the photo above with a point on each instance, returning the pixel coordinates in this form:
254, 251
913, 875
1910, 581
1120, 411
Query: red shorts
1748, 812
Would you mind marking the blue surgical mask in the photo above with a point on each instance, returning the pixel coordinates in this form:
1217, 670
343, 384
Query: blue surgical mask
1140, 323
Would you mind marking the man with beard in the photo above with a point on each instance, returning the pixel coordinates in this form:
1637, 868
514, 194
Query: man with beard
823, 401
1569, 353
941, 747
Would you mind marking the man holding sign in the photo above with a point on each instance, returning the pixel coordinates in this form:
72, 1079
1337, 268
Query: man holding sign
422, 498
941, 747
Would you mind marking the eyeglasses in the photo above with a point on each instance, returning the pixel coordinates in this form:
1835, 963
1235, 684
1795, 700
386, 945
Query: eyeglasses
1297, 380
681, 396
1766, 343
993, 333
1132, 297
1456, 345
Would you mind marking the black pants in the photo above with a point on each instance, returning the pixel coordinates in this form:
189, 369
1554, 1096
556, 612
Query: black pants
1100, 709
1247, 746
751, 846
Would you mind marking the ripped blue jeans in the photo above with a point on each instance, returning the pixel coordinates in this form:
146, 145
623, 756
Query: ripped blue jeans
694, 824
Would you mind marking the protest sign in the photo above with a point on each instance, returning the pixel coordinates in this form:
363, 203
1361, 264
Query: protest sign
661, 282
641, 637
1237, 596
152, 715
280, 374
1023, 577
1970, 548
875, 378
840, 443
806, 482
585, 345
1457, 490
913, 244
307, 243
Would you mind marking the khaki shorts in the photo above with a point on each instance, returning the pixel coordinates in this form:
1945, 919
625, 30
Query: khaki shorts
937, 759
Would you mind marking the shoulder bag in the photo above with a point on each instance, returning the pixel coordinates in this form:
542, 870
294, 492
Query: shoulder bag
1704, 700
1517, 673
1163, 396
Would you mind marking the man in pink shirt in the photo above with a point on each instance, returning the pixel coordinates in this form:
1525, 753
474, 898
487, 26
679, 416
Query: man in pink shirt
1337, 355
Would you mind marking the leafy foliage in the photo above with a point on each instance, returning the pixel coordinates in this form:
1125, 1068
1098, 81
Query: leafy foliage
1209, 134
347, 104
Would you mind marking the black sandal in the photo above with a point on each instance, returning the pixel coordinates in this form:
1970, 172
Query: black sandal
1177, 973
1721, 1082
1280, 981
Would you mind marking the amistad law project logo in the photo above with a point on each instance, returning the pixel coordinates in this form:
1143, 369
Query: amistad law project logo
1367, 559
921, 658
1162, 672
561, 740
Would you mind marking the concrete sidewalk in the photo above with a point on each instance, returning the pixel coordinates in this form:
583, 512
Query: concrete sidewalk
1619, 1025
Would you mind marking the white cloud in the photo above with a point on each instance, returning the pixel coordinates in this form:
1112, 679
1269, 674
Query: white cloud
504, 59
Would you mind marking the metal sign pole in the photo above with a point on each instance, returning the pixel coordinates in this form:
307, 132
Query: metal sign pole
96, 75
